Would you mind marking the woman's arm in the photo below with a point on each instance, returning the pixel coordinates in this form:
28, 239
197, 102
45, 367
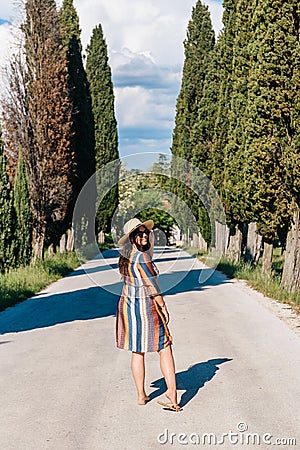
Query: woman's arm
149, 277
161, 303
148, 274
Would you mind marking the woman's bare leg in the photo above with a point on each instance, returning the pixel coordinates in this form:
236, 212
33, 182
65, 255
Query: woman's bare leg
167, 366
138, 372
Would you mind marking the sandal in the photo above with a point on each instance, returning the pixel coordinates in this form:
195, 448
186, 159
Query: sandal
147, 399
171, 406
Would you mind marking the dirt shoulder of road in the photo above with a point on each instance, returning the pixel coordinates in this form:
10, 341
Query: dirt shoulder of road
283, 311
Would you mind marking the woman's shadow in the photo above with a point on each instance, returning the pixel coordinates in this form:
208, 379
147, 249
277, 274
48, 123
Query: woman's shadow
190, 380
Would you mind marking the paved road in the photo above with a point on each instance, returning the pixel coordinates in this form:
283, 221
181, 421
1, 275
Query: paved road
65, 386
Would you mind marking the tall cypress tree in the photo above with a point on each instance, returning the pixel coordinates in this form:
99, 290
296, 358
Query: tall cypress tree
106, 135
234, 160
7, 216
203, 132
225, 52
49, 159
291, 121
83, 134
203, 129
198, 45
197, 48
23, 229
270, 128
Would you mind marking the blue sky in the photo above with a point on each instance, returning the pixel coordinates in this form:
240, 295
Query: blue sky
3, 21
145, 45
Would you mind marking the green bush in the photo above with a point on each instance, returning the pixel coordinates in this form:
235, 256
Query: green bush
269, 286
23, 282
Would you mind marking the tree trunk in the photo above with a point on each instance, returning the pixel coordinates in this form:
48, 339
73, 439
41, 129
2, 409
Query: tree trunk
202, 243
291, 270
101, 237
267, 257
221, 237
51, 250
234, 249
254, 243
70, 240
62, 244
195, 241
38, 240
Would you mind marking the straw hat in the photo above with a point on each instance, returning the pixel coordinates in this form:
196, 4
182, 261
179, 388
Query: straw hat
131, 225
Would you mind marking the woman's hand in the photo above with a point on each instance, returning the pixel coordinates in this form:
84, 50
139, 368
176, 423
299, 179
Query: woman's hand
160, 301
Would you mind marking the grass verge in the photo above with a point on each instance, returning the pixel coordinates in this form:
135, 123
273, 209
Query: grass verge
18, 284
268, 285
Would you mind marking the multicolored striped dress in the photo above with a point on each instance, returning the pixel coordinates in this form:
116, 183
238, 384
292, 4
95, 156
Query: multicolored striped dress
140, 324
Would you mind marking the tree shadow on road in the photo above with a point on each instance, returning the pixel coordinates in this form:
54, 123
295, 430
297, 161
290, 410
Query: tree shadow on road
105, 263
46, 310
49, 308
190, 380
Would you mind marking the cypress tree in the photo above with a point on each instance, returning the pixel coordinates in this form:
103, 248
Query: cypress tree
197, 48
231, 143
225, 52
49, 160
270, 126
234, 149
198, 45
83, 134
23, 232
106, 135
203, 129
7, 216
203, 132
291, 117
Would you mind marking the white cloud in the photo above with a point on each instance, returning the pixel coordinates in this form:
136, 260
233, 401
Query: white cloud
140, 69
142, 108
155, 26
145, 45
5, 38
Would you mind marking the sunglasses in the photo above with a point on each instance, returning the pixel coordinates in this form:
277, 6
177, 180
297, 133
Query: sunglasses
140, 234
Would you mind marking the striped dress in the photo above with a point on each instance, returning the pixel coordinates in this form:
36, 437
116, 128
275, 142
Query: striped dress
140, 324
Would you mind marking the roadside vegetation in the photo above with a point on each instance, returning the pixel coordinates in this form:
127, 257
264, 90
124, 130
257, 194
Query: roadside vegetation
23, 282
20, 283
270, 286
237, 121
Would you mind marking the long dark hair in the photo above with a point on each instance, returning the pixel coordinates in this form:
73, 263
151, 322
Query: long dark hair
126, 252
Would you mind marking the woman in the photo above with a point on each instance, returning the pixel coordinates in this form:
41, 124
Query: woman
142, 316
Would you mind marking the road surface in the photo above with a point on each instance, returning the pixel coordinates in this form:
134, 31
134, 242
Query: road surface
65, 385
